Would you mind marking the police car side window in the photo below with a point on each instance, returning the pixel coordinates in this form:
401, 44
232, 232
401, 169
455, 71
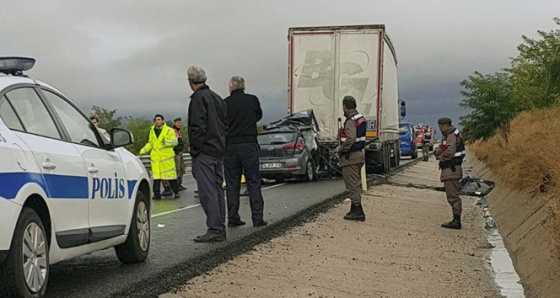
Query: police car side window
79, 127
32, 112
8, 115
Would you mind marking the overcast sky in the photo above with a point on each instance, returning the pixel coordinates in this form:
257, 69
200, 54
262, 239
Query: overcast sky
132, 55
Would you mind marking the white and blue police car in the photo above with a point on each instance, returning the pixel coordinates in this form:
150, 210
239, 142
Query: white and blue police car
65, 190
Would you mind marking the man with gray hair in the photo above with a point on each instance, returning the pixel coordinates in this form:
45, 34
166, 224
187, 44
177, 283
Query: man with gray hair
207, 128
242, 153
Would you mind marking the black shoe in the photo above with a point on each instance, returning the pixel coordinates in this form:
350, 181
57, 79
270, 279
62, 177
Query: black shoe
176, 196
182, 187
235, 223
167, 193
352, 210
157, 198
211, 237
357, 215
259, 223
222, 232
455, 224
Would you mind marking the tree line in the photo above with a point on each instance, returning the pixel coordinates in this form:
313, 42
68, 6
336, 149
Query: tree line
139, 127
531, 82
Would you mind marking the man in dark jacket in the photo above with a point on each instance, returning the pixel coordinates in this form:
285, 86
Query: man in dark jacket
242, 153
179, 161
207, 127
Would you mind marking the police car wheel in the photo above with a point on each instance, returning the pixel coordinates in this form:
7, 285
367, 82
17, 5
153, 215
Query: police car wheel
137, 244
25, 272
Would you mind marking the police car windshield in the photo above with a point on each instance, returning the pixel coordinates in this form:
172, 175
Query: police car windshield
277, 138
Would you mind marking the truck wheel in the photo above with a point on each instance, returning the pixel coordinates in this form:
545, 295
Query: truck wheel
398, 154
137, 245
309, 172
414, 153
395, 158
386, 159
25, 272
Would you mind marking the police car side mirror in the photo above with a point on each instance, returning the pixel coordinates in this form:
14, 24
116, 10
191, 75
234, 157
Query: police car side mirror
120, 137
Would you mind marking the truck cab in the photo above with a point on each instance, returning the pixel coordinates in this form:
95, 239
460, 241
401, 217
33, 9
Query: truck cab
407, 135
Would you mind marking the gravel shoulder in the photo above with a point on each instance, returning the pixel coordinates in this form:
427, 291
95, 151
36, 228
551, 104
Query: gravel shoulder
399, 251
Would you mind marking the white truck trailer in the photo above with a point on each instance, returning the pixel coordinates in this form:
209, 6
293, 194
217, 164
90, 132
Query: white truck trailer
328, 63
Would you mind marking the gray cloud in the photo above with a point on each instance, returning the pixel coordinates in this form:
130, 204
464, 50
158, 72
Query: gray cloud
132, 55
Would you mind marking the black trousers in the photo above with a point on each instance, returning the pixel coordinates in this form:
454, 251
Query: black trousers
209, 179
157, 183
243, 159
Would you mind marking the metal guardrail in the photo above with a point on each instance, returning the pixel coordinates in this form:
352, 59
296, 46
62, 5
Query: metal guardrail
146, 160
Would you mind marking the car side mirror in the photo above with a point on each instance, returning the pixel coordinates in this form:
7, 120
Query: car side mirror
120, 137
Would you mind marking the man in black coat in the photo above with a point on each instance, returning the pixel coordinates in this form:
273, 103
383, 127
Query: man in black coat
242, 153
207, 127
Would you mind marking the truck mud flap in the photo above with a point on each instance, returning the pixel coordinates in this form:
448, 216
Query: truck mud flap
372, 165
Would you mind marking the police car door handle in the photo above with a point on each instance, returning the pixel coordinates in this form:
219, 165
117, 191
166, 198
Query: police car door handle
93, 169
48, 165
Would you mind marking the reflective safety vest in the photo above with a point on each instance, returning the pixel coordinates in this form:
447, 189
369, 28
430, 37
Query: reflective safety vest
427, 138
361, 127
162, 156
460, 151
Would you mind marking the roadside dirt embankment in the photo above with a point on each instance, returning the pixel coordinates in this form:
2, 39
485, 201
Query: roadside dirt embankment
524, 163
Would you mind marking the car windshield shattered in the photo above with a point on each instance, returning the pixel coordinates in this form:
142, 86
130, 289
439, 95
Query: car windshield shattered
277, 138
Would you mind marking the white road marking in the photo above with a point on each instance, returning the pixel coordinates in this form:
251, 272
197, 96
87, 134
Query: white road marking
273, 186
196, 205
176, 210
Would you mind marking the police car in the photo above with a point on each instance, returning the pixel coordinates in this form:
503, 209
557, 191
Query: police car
65, 190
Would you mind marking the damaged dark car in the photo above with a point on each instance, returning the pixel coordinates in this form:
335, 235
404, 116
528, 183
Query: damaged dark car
290, 149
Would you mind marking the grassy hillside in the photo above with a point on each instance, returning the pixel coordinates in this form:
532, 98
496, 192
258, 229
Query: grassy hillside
527, 157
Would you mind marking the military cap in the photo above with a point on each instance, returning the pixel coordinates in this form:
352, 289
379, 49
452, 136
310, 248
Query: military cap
349, 102
177, 119
444, 120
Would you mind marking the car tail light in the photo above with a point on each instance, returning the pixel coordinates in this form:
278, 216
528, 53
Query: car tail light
291, 146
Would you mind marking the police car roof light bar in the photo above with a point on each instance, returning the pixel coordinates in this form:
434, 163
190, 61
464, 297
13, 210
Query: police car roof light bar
15, 65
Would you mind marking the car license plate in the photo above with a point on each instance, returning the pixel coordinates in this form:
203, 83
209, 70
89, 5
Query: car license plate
275, 165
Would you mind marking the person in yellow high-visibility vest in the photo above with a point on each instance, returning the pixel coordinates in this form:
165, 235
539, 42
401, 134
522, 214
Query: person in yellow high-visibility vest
160, 145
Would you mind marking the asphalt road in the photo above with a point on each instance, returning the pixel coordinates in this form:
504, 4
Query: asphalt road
174, 257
